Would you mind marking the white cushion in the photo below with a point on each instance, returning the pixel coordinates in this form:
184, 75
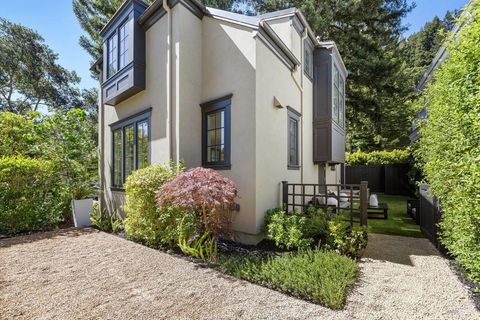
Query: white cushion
373, 200
332, 202
344, 197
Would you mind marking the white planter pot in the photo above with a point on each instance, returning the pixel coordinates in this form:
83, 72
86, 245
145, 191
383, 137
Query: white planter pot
81, 212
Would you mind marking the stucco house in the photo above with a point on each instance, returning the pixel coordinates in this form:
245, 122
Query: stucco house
258, 97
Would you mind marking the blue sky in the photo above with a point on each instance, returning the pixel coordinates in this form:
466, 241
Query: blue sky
55, 21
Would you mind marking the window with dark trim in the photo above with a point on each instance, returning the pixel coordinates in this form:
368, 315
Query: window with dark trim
123, 45
131, 147
216, 133
293, 153
112, 55
308, 59
338, 111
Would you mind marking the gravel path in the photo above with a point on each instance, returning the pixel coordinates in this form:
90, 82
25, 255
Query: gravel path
86, 274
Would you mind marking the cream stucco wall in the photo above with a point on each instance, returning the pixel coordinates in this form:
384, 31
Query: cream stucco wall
228, 67
213, 58
152, 97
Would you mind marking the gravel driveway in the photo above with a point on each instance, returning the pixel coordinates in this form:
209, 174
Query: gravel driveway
86, 274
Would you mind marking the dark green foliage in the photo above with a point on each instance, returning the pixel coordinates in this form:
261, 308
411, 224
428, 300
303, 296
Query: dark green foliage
317, 227
29, 190
288, 231
66, 140
377, 157
320, 276
145, 222
419, 49
30, 76
449, 148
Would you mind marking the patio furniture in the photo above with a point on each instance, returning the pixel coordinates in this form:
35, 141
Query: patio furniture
382, 208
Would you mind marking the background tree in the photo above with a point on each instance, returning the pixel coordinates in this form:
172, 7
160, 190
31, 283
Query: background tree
419, 49
30, 76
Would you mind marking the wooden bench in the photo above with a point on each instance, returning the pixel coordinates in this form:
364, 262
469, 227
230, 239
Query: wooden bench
382, 208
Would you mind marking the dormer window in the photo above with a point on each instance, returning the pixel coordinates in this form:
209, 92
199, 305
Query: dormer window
112, 55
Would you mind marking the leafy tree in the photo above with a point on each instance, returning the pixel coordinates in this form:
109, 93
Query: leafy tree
29, 74
419, 49
449, 148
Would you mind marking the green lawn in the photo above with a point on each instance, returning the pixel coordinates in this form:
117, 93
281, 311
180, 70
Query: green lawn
398, 222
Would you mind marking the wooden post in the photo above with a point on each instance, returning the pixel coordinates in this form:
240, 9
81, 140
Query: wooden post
363, 203
285, 195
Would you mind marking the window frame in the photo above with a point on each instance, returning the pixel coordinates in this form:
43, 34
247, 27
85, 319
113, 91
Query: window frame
125, 40
217, 105
308, 67
134, 120
116, 33
111, 55
294, 115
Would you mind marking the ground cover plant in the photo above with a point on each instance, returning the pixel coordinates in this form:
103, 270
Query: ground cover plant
322, 277
378, 157
449, 150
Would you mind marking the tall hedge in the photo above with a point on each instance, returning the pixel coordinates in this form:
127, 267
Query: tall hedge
377, 157
28, 195
450, 143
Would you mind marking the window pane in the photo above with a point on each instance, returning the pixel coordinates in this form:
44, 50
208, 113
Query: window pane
219, 136
142, 145
211, 138
212, 154
123, 49
117, 158
112, 55
211, 121
342, 86
335, 76
293, 142
218, 119
129, 150
222, 152
335, 105
341, 115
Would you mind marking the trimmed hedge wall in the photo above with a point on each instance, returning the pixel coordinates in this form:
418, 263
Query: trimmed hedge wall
28, 195
449, 148
359, 158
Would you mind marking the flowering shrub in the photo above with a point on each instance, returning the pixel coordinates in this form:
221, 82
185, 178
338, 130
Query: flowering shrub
205, 191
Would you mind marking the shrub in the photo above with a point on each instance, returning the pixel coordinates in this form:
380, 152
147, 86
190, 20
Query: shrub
288, 231
206, 192
377, 157
450, 145
319, 276
28, 195
104, 221
344, 240
145, 222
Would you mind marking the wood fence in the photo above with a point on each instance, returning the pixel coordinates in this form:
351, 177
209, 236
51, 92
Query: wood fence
389, 179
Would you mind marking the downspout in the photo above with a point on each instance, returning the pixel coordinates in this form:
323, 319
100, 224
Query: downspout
300, 89
101, 145
169, 78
